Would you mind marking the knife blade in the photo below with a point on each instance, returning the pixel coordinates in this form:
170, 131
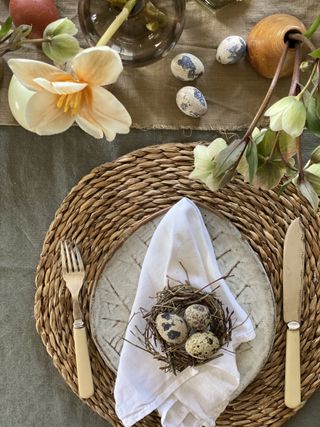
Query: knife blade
293, 275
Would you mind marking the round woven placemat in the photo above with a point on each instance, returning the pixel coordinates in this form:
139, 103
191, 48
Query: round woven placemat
109, 204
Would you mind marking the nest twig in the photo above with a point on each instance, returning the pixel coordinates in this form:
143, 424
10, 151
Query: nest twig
175, 299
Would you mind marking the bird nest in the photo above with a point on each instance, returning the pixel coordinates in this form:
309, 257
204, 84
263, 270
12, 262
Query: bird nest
175, 299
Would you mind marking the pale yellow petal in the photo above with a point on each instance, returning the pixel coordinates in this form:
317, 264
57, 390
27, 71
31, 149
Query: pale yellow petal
103, 110
215, 147
92, 128
43, 116
26, 70
60, 88
98, 66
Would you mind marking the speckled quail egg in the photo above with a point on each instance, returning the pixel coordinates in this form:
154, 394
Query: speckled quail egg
197, 316
191, 101
231, 50
186, 67
172, 328
202, 345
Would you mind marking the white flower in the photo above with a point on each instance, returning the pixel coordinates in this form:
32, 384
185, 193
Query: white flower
204, 165
62, 97
288, 114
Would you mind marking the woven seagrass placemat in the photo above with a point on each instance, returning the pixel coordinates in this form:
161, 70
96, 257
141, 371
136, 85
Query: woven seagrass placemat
107, 205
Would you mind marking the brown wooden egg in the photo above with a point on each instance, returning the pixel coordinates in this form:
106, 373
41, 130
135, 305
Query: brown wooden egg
266, 42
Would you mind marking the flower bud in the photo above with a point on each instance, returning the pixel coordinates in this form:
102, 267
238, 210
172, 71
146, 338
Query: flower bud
61, 48
305, 66
60, 26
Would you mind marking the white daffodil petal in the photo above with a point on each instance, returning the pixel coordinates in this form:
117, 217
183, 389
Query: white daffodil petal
294, 119
26, 70
98, 66
106, 111
60, 88
43, 116
212, 183
280, 106
89, 127
215, 147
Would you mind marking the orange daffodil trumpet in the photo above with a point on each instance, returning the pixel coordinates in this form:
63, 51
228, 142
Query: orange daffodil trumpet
61, 98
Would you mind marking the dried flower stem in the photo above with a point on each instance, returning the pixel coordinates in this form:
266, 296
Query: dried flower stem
267, 98
301, 38
296, 71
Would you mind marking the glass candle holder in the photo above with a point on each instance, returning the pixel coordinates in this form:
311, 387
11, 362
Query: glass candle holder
150, 32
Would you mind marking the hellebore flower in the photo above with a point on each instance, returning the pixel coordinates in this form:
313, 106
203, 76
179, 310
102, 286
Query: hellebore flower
62, 97
204, 167
288, 114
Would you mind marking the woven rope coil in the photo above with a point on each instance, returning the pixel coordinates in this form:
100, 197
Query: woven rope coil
110, 203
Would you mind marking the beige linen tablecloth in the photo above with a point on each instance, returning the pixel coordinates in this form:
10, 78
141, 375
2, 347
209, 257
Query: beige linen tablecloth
233, 92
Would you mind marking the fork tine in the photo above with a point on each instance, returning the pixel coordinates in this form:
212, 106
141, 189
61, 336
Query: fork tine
63, 257
73, 257
69, 262
79, 259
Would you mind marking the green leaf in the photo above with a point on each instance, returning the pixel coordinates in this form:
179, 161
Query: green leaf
315, 155
5, 27
269, 175
228, 157
309, 193
313, 121
314, 181
252, 159
317, 98
315, 53
287, 145
265, 147
313, 27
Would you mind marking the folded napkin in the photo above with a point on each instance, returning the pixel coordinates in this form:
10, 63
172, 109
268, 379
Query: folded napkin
196, 396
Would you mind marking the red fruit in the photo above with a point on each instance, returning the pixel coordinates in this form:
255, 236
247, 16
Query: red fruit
38, 13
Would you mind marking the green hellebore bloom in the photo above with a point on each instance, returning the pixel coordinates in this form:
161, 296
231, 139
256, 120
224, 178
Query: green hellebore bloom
288, 114
60, 26
204, 165
61, 48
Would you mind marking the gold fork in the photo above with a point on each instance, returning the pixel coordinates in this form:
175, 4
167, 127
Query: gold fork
73, 274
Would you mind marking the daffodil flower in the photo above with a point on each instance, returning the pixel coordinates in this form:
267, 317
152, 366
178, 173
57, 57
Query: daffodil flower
63, 97
204, 163
288, 114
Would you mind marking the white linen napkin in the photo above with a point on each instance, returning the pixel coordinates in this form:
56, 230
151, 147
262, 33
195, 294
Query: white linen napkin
196, 396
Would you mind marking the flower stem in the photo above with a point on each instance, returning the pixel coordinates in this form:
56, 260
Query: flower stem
299, 96
116, 24
300, 159
267, 98
31, 41
296, 71
301, 38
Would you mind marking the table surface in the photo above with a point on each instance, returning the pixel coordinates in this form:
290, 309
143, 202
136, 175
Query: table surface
36, 173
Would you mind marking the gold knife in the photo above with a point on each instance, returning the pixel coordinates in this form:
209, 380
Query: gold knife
293, 274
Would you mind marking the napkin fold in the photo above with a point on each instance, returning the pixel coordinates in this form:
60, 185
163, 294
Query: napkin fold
196, 396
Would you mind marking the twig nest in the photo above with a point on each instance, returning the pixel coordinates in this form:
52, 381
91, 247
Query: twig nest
202, 345
231, 50
191, 101
197, 316
186, 67
172, 328
166, 333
